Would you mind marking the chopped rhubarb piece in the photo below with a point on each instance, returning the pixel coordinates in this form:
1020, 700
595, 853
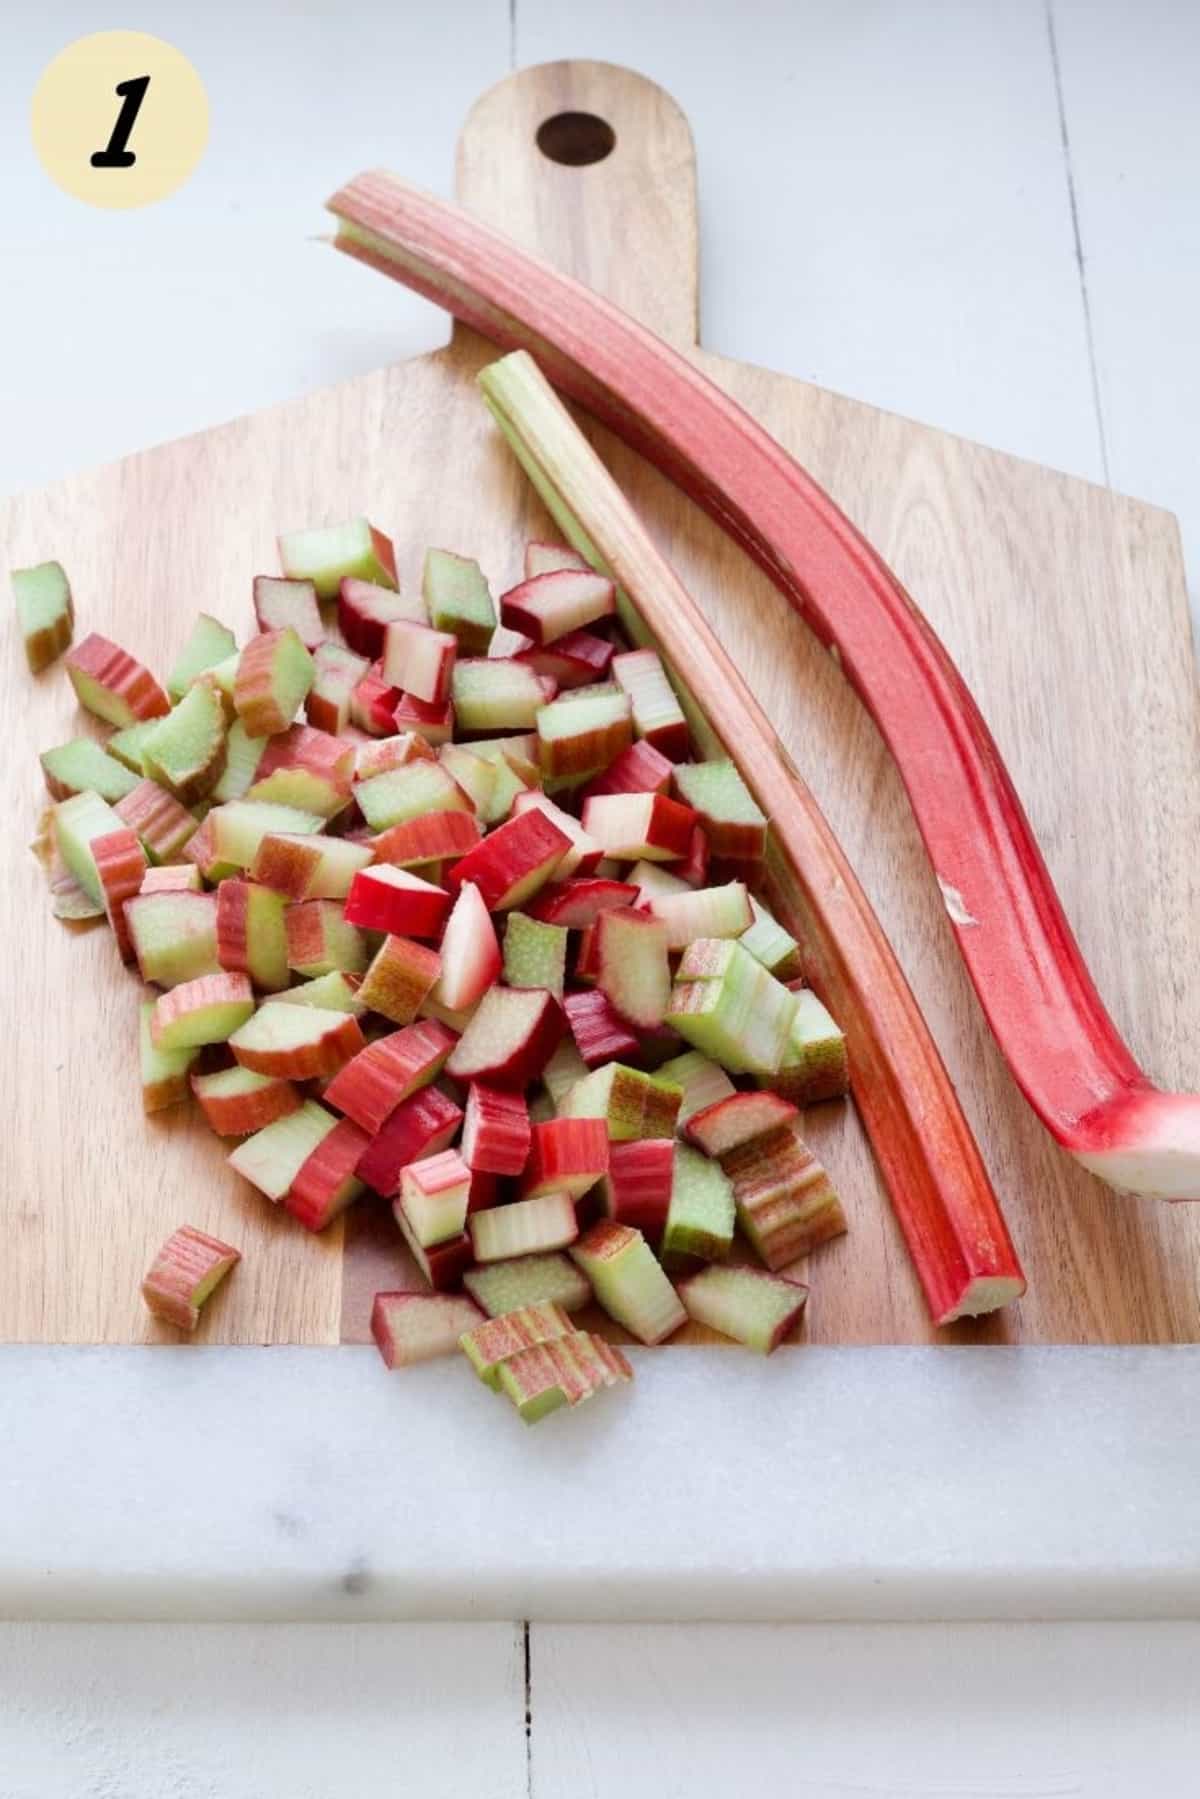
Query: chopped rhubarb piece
180, 877
83, 767
238, 828
510, 864
419, 1126
587, 956
733, 822
637, 1188
484, 1191
207, 1010
747, 1304
365, 611
814, 1065
419, 660
631, 1103
174, 936
417, 1327
657, 715
336, 992
487, 1345
278, 604
535, 954
639, 769
474, 774
770, 944
273, 1157
444, 1264
274, 674
726, 1004
320, 939
563, 1071
526, 1227
435, 723
566, 1155
581, 859
337, 671
732, 1123
327, 1182
600, 1033
496, 1130
628, 1281
242, 757
387, 1072
693, 870
164, 1072
109, 683
458, 600
701, 1217
120, 864
237, 1102
305, 768
252, 936
652, 880
401, 976
183, 1275
410, 792
164, 826
528, 1280
631, 827
549, 606
470, 954
632, 967
303, 867
299, 1042
126, 745
45, 612
543, 558
433, 1197
579, 903
383, 898
327, 555
510, 1039
376, 755
490, 694
373, 704
571, 661
508, 646
435, 837
78, 823
786, 1204
539, 1382
582, 732
209, 644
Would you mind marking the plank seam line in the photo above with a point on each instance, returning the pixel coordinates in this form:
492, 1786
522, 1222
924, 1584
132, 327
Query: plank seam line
1077, 235
528, 1712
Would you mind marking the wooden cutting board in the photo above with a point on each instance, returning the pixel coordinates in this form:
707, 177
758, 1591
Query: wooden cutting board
1064, 605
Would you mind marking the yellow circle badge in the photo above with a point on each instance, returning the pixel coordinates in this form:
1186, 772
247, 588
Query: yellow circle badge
120, 119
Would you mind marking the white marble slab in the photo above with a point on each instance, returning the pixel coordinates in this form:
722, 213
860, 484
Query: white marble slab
837, 1484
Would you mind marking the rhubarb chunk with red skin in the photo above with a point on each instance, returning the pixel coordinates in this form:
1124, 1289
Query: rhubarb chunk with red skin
526, 1227
637, 1188
306, 768
435, 723
382, 1076
600, 1033
639, 769
174, 936
444, 1264
435, 837
252, 933
303, 867
584, 855
732, 1123
209, 1009
365, 610
279, 603
566, 1155
238, 828
419, 1126
434, 1195
326, 1182
185, 1273
78, 824
572, 661
376, 755
301, 1043
319, 940
120, 864
733, 822
400, 979
578, 903
373, 704
488, 1344
274, 674
237, 1101
112, 685
657, 715
550, 1279
542, 558
470, 952
628, 1281
418, 1327
786, 1205
327, 555
549, 606
336, 673
513, 862
566, 1371
273, 1157
45, 612
634, 827
164, 1072
510, 1038
164, 826
747, 1304
632, 966
496, 1130
630, 1103
388, 899
419, 660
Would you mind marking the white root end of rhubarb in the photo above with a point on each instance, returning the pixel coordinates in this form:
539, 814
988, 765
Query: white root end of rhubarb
1146, 1143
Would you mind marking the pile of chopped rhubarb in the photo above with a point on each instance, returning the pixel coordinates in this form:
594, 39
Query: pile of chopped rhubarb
478, 932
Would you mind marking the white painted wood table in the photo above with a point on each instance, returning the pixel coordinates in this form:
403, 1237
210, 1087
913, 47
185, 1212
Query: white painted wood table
981, 214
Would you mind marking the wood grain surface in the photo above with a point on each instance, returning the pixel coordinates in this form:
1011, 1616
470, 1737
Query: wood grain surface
1064, 605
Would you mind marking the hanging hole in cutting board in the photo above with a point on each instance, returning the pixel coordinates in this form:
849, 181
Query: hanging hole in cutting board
576, 138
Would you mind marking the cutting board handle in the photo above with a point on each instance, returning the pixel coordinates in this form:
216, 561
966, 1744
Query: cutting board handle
594, 168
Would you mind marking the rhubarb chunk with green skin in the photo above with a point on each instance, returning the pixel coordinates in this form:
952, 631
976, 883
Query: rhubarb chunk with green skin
336, 992
327, 1181
112, 685
306, 768
525, 1227
632, 966
657, 715
165, 827
83, 767
733, 822
637, 1188
747, 1304
243, 754
301, 1043
126, 745
308, 866
474, 774
400, 978
178, 877
535, 954
409, 792
635, 827
566, 1155
487, 1345
628, 1281
564, 1371
814, 1065
582, 732
185, 1273
549, 606
209, 1009
727, 1006
417, 1327
45, 612
278, 604
770, 944
237, 829
433, 1197
274, 674
164, 1072
565, 1068
631, 1103
209, 643
319, 940
274, 1156
785, 1200
732, 1123
701, 1217
527, 1281
703, 1083
77, 823
185, 753
711, 912
336, 673
174, 936
510, 1038
490, 694
496, 1130
459, 600
238, 1102
327, 555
